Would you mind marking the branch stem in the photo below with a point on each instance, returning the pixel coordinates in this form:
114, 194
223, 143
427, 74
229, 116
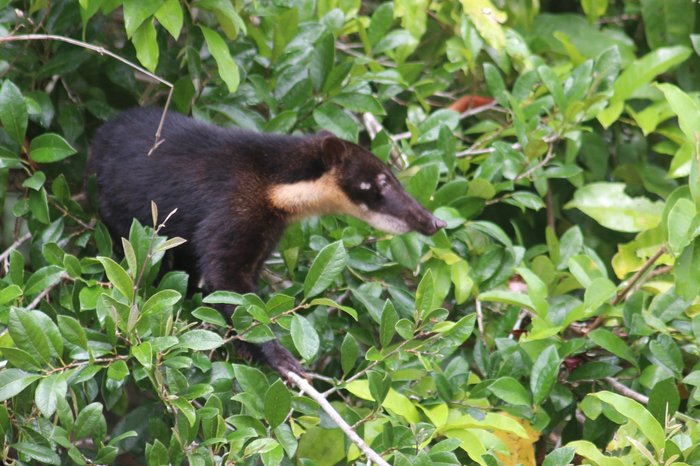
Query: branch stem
307, 388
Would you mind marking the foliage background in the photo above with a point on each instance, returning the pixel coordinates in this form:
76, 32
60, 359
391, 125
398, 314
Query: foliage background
556, 315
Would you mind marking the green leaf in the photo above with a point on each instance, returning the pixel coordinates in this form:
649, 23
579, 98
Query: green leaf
45, 277
511, 391
304, 337
118, 371
544, 373
680, 219
10, 293
536, 290
388, 323
90, 423
47, 393
145, 42
186, 408
72, 331
394, 401
228, 69
322, 59
561, 456
13, 111
553, 85
170, 16
331, 117
330, 303
226, 14
278, 402
136, 12
360, 103
425, 294
327, 265
686, 108
508, 297
36, 333
667, 22
40, 453
349, 352
164, 299
13, 381
459, 273
487, 19
616, 345
637, 414
143, 354
49, 148
608, 204
201, 340
157, 453
640, 73
600, 291
210, 316
118, 277
664, 400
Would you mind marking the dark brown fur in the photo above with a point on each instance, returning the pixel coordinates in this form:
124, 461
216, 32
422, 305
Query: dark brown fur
232, 189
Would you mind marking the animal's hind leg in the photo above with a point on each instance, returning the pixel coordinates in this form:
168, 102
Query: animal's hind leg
222, 274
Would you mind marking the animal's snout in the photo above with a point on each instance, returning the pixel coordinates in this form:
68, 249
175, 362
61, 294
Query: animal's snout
432, 225
437, 223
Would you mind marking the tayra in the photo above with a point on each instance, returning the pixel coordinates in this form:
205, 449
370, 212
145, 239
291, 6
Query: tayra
236, 190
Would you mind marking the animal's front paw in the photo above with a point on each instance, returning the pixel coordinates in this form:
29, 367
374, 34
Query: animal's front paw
281, 360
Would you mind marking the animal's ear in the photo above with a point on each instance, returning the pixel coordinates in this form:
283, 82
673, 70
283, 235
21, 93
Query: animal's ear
333, 149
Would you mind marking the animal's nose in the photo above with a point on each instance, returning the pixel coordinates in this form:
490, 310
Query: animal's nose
437, 223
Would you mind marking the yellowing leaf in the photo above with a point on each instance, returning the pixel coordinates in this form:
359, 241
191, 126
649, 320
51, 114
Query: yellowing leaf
394, 401
487, 19
522, 449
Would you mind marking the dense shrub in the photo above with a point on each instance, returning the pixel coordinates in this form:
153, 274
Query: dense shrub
557, 314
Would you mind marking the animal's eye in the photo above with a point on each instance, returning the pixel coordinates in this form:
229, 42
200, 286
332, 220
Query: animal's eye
382, 182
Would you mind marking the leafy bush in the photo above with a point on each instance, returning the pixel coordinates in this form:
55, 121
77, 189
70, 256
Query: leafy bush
557, 314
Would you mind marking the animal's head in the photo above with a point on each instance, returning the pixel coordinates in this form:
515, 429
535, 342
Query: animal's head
377, 196
357, 183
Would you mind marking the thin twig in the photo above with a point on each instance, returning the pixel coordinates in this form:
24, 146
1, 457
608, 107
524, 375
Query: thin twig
625, 390
339, 421
45, 293
373, 128
489, 150
630, 285
476, 110
542, 163
480, 322
103, 51
15, 245
635, 278
467, 113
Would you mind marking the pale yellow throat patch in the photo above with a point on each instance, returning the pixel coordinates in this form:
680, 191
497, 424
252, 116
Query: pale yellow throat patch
309, 198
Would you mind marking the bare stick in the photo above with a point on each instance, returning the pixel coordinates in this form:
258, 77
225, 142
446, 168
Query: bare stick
545, 160
14, 246
626, 391
333, 414
373, 128
631, 284
35, 303
480, 322
516, 146
465, 114
102, 51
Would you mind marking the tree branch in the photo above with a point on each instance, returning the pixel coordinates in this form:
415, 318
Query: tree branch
14, 246
307, 388
626, 391
103, 51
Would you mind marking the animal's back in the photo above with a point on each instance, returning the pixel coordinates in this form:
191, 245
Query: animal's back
190, 170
